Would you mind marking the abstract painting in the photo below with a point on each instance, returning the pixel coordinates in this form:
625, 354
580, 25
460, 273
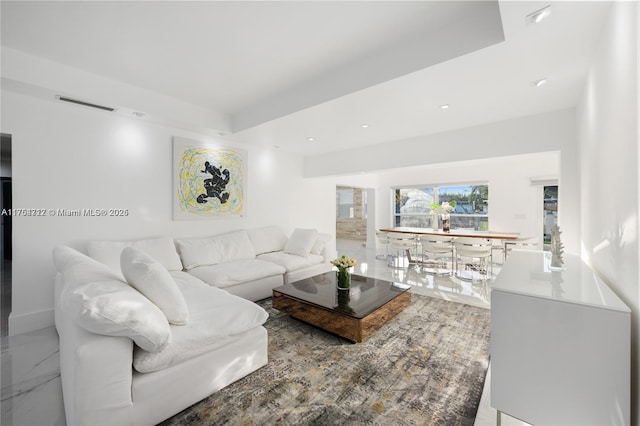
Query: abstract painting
209, 180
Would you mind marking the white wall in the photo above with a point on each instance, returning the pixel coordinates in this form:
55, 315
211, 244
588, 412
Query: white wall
71, 157
515, 204
608, 144
550, 132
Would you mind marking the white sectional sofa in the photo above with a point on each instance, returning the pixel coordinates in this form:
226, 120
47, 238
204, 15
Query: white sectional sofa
150, 327
251, 263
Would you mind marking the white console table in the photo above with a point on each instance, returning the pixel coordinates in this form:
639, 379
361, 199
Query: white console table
560, 344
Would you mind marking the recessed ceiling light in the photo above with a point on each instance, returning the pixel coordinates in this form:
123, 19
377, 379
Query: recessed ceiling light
137, 114
537, 16
310, 139
540, 82
445, 106
364, 126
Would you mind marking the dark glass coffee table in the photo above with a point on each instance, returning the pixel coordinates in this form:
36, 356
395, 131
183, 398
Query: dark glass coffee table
354, 314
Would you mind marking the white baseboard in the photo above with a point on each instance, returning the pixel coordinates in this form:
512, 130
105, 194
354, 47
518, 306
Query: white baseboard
24, 323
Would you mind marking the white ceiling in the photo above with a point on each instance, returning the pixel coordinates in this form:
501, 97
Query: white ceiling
292, 70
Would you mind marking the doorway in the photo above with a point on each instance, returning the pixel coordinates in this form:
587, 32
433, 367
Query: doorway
351, 213
6, 232
355, 221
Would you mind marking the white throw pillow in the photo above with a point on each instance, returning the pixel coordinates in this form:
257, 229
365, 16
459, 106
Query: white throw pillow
153, 280
65, 258
161, 249
321, 243
301, 242
98, 301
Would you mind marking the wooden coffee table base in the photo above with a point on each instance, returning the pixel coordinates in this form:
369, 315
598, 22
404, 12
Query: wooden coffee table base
354, 329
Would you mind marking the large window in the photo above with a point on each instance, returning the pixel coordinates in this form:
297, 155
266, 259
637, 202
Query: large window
412, 206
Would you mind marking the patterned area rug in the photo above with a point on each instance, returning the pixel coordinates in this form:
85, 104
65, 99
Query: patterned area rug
425, 367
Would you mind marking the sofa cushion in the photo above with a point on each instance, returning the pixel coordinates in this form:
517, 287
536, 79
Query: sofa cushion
267, 239
321, 243
216, 318
98, 301
196, 252
185, 280
301, 241
228, 274
161, 249
291, 262
154, 281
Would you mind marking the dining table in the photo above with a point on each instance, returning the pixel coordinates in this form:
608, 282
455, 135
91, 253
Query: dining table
454, 232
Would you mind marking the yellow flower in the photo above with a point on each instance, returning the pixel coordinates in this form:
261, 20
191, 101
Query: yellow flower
344, 262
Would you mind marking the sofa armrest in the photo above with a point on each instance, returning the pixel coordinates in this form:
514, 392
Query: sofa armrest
96, 373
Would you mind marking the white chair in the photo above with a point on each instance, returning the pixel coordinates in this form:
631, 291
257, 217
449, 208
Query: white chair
438, 248
382, 239
402, 244
471, 249
526, 243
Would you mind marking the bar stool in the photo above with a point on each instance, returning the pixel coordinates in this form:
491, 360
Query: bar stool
525, 243
441, 247
473, 248
498, 246
402, 244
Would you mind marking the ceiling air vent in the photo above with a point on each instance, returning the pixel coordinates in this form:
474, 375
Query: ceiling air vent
87, 104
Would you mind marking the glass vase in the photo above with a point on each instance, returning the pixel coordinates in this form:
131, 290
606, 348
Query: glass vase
446, 222
343, 278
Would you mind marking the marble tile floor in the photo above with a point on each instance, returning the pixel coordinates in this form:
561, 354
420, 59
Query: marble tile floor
30, 376
446, 287
31, 392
